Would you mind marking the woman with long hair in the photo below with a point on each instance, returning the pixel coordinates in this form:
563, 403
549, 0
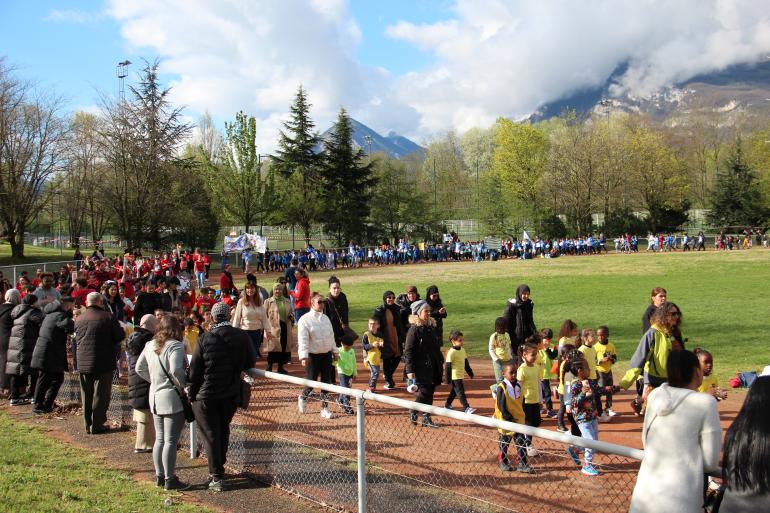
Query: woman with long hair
278, 309
113, 302
652, 353
746, 455
162, 363
337, 309
682, 437
250, 316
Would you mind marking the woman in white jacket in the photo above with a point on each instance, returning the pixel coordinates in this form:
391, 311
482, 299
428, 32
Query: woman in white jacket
250, 316
682, 437
162, 363
317, 351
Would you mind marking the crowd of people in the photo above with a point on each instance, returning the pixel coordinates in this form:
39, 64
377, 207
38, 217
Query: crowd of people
186, 345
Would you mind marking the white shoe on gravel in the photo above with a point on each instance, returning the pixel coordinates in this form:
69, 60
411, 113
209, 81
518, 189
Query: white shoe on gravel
301, 404
325, 413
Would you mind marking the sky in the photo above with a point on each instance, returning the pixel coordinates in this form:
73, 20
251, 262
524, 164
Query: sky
416, 67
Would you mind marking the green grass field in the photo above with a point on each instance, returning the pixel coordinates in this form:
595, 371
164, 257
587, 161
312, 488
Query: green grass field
33, 254
41, 474
723, 297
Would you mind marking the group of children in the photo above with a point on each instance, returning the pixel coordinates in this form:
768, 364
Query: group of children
578, 369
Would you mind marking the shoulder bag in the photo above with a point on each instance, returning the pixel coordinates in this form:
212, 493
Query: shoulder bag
189, 415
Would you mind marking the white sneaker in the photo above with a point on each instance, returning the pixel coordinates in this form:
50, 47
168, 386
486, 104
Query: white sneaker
325, 413
302, 404
470, 411
605, 417
532, 452
611, 412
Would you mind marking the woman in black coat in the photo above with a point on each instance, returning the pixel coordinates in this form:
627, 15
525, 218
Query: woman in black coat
422, 358
437, 311
518, 315
388, 315
27, 319
138, 388
336, 309
12, 299
113, 303
50, 354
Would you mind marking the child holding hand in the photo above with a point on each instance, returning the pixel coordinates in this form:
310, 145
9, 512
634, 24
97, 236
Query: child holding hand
508, 407
583, 406
548, 356
372, 343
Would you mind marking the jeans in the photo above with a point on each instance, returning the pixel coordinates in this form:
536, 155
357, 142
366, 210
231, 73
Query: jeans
167, 431
545, 392
345, 381
505, 441
498, 365
375, 371
299, 312
605, 380
589, 430
200, 278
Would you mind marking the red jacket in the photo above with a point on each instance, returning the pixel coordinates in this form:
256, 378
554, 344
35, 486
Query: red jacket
301, 293
226, 282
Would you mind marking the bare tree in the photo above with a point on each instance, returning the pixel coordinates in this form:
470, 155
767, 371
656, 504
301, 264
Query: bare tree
32, 139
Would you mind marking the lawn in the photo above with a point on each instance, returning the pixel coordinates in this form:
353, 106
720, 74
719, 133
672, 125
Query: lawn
41, 474
33, 254
723, 296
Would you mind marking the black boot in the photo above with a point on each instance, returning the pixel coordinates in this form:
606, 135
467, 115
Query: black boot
413, 417
427, 421
173, 483
160, 481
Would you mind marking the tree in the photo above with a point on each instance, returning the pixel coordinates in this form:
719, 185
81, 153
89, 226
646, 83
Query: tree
446, 179
32, 140
521, 152
396, 203
241, 188
347, 183
736, 199
299, 161
142, 138
209, 139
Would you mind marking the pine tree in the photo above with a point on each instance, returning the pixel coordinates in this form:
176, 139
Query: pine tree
736, 199
299, 162
347, 184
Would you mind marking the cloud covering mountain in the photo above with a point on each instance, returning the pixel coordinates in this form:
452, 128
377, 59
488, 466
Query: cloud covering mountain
490, 57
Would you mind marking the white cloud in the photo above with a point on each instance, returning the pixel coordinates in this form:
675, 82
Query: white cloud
496, 57
234, 55
71, 16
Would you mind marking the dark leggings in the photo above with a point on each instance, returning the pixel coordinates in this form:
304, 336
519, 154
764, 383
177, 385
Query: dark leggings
389, 366
424, 396
319, 364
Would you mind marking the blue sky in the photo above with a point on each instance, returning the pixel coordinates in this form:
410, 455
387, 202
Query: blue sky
419, 67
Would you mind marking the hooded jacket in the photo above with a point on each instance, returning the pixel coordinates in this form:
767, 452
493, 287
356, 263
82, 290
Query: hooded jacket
422, 352
26, 326
435, 306
391, 348
650, 357
521, 323
138, 388
50, 352
6, 323
671, 481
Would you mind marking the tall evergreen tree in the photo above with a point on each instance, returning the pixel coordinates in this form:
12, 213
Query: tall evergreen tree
347, 184
736, 198
300, 162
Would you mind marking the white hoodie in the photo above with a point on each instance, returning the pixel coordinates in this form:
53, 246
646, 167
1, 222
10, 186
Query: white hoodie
682, 437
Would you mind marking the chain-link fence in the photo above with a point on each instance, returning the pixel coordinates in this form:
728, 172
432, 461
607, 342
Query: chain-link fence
119, 412
413, 467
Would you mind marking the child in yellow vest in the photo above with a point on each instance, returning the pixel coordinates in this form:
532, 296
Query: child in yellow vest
588, 340
372, 343
455, 368
548, 355
528, 375
606, 356
508, 407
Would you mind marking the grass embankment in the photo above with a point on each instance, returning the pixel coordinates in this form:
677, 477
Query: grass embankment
33, 255
41, 474
723, 297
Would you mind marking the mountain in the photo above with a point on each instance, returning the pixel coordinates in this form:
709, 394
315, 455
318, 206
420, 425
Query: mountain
393, 145
728, 93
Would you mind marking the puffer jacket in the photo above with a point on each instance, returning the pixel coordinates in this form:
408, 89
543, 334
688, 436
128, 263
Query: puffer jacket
422, 352
26, 326
50, 352
6, 323
217, 362
138, 388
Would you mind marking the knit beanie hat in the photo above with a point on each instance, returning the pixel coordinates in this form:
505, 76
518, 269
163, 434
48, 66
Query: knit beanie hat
419, 306
220, 312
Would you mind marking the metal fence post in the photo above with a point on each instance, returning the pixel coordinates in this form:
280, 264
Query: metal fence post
193, 440
361, 437
15, 278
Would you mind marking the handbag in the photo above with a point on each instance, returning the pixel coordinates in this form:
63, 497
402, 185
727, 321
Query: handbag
348, 333
189, 414
245, 396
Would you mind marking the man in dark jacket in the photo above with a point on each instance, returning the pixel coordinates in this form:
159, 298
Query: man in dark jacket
219, 358
50, 354
98, 336
147, 302
27, 319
